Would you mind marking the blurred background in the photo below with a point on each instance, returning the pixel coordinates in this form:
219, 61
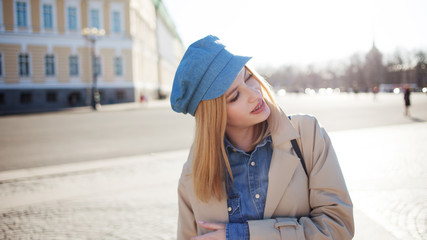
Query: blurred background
90, 149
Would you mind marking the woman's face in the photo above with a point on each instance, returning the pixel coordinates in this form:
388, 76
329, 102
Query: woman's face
245, 103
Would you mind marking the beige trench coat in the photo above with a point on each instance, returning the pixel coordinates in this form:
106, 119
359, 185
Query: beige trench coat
297, 207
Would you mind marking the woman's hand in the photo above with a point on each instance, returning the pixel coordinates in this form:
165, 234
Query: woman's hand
218, 231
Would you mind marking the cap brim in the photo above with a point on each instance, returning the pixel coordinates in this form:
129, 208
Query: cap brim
226, 77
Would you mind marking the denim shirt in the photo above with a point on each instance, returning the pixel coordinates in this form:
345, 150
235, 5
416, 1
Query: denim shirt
246, 197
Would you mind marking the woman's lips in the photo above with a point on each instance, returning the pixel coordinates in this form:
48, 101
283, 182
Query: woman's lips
259, 108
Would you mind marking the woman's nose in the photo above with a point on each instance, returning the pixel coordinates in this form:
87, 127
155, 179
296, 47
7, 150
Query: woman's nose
254, 93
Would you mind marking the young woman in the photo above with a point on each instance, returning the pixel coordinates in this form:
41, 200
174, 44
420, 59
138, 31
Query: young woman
246, 177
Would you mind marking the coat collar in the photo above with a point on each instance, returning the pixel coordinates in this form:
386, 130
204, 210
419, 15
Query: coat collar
282, 130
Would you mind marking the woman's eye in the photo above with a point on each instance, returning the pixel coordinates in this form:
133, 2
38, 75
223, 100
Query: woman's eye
235, 98
248, 78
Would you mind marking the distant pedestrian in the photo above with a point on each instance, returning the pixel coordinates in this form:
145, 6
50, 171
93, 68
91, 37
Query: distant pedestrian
375, 91
407, 99
252, 172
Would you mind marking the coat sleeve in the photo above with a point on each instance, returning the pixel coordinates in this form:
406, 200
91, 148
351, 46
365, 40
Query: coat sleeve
331, 214
187, 227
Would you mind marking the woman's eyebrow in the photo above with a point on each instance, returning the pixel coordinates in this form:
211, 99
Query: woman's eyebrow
245, 78
231, 92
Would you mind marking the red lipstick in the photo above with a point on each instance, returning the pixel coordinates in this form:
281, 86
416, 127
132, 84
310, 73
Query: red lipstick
259, 108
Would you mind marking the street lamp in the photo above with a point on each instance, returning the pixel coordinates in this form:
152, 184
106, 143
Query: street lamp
92, 34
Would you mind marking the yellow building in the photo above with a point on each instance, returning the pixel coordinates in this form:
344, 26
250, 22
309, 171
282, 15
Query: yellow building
46, 61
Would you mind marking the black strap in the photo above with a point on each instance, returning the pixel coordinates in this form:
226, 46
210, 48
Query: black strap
298, 152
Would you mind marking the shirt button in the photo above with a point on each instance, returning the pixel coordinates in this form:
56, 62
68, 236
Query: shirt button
252, 163
257, 196
229, 209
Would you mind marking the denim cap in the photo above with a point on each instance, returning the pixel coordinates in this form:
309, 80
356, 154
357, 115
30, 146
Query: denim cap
205, 72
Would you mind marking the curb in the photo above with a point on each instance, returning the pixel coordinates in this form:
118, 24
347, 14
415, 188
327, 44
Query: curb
103, 108
68, 168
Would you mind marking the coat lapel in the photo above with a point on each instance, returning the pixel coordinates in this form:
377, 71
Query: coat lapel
283, 162
282, 168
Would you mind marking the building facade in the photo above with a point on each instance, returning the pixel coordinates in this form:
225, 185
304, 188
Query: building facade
47, 63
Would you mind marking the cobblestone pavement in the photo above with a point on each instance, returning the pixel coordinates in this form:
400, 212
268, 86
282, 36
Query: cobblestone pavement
386, 172
128, 198
135, 197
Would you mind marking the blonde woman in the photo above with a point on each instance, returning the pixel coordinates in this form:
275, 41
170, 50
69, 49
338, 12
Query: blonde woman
252, 172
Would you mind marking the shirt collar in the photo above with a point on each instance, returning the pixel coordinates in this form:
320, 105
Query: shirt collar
230, 148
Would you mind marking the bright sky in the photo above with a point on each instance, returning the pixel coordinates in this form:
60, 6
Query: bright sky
301, 32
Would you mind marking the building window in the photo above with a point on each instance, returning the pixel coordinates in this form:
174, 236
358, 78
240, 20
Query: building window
74, 66
2, 101
24, 64
50, 65
1, 16
51, 97
94, 18
1, 65
118, 66
47, 16
72, 18
120, 95
21, 14
74, 98
26, 98
116, 22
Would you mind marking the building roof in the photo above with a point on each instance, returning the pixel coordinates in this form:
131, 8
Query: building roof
165, 17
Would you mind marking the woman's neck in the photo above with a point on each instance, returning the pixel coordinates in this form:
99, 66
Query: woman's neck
242, 138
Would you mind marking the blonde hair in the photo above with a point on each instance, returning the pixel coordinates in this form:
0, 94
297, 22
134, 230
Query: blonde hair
210, 161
